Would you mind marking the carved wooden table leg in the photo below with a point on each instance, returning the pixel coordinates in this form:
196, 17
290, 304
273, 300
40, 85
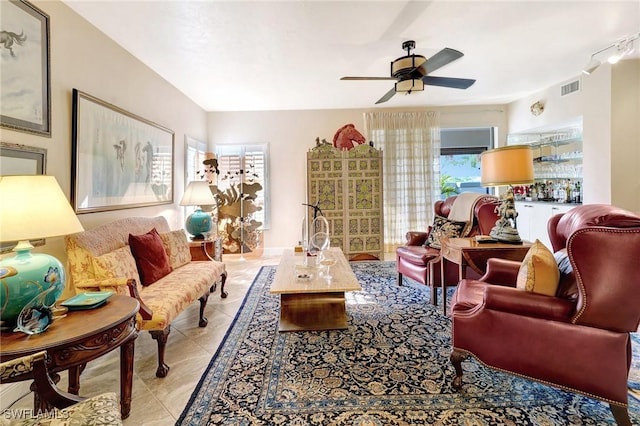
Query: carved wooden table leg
126, 375
74, 379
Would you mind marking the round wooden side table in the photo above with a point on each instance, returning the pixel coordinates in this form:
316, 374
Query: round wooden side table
80, 337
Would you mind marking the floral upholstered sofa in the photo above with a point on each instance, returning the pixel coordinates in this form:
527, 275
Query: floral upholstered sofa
112, 257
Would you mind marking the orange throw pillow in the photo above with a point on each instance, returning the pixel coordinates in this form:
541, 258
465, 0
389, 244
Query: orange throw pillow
539, 271
151, 257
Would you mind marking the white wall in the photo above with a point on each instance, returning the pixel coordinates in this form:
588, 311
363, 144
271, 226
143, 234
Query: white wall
291, 134
84, 58
596, 158
609, 105
557, 109
625, 135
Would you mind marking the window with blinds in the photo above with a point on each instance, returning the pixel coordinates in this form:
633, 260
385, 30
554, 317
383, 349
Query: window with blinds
194, 156
243, 166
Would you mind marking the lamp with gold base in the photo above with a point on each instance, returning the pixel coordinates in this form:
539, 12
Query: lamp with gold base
510, 165
32, 207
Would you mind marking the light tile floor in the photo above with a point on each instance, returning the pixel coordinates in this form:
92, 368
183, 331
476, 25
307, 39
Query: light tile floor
159, 402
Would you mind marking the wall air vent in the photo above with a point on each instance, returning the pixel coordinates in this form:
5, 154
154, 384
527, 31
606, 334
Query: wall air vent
570, 87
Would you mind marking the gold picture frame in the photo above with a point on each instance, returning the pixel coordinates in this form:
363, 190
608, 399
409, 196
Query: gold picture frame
21, 160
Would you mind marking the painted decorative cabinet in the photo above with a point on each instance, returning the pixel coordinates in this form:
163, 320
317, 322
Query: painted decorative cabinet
348, 187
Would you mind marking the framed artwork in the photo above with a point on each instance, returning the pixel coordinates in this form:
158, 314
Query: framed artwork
119, 160
21, 160
25, 93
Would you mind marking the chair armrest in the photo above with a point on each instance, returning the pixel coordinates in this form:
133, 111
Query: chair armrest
521, 302
416, 238
14, 368
34, 367
145, 312
501, 272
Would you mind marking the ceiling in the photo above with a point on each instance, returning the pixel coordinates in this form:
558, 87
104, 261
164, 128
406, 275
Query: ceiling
290, 55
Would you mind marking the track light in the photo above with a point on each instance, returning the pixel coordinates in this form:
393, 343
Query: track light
591, 66
623, 47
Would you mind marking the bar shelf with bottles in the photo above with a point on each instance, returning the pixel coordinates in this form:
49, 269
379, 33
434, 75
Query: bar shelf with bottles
563, 191
557, 165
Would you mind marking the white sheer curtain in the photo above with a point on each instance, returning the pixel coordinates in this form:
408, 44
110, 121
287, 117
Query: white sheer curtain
411, 164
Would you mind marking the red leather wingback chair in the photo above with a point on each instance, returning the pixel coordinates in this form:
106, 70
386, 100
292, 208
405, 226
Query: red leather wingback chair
577, 340
422, 264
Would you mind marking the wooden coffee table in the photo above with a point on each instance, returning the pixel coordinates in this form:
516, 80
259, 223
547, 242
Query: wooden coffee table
314, 303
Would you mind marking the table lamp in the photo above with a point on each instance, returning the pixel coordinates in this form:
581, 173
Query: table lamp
199, 222
32, 207
510, 165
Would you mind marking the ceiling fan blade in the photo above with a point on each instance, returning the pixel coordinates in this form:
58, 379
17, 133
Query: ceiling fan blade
456, 83
439, 60
368, 78
387, 96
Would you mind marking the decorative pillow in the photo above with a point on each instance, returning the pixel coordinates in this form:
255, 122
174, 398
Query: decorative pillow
539, 272
567, 286
443, 227
177, 248
150, 255
116, 264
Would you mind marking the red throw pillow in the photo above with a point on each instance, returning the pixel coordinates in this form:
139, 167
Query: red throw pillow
151, 257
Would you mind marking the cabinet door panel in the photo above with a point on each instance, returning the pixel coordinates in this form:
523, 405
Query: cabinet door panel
525, 220
348, 186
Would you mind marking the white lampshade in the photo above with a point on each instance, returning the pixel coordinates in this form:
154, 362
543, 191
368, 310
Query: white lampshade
509, 165
34, 207
198, 193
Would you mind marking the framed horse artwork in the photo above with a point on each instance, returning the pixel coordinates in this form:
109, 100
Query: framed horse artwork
25, 94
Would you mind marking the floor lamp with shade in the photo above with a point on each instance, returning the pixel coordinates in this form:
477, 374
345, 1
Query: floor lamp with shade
510, 165
32, 207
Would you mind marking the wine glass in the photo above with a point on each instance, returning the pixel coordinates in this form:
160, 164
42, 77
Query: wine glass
318, 243
327, 260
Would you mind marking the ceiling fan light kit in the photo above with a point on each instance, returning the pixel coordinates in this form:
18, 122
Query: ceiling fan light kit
410, 72
623, 47
410, 85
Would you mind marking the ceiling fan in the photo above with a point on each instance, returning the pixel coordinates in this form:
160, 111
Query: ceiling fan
411, 72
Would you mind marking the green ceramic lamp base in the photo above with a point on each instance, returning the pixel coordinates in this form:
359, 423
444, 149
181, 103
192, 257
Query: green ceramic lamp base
198, 223
25, 276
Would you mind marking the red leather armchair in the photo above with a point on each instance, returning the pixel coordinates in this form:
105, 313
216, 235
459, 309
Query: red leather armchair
577, 340
422, 264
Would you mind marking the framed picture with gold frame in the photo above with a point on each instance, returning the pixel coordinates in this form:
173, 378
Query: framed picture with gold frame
21, 160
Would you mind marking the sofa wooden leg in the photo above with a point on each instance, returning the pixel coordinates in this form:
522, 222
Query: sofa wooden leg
203, 304
399, 278
456, 358
161, 337
213, 287
223, 280
621, 414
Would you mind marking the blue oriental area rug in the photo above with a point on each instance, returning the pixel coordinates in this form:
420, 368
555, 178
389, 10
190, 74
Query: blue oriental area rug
391, 367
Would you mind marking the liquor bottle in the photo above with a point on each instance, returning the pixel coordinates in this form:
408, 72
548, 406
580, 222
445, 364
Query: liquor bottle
578, 192
567, 191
